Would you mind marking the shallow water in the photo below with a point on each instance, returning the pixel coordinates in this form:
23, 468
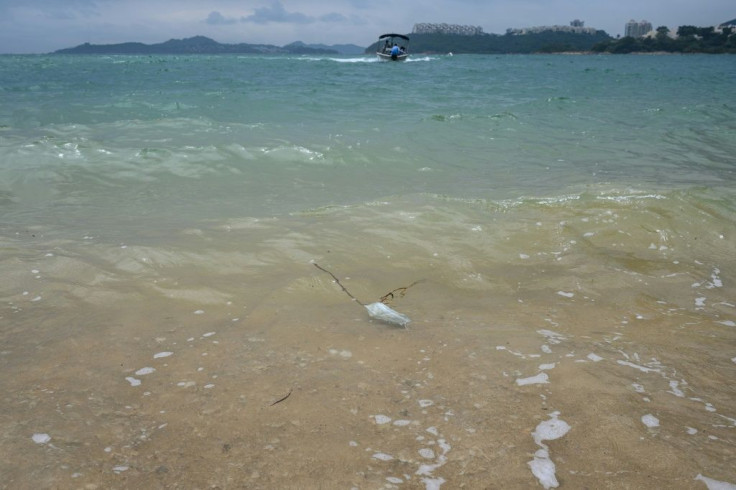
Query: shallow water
570, 220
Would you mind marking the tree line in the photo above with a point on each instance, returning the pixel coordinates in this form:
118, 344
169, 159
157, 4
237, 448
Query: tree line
690, 39
542, 42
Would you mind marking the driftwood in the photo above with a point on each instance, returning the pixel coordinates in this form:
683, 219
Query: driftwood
281, 399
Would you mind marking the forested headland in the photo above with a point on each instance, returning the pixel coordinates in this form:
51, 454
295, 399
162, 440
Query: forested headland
687, 39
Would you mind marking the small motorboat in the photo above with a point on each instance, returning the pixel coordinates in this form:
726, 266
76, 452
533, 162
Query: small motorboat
392, 47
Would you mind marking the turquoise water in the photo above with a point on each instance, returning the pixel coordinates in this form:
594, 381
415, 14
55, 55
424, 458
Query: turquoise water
259, 136
577, 212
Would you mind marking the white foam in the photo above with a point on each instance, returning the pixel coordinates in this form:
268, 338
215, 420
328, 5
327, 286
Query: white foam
715, 484
425, 403
199, 312
565, 294
402, 423
540, 378
426, 453
208, 334
120, 468
594, 357
544, 367
159, 355
133, 381
549, 430
383, 456
716, 281
433, 483
552, 337
41, 438
675, 390
650, 420
186, 384
428, 469
144, 371
640, 368
393, 479
728, 323
543, 468
382, 419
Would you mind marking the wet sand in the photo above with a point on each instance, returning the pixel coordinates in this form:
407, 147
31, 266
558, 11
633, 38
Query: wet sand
536, 356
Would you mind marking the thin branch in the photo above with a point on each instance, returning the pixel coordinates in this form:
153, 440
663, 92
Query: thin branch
281, 399
386, 298
338, 283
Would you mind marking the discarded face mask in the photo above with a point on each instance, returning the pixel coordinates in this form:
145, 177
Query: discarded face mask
380, 311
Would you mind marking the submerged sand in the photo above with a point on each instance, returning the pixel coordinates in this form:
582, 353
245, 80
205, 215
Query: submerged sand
572, 348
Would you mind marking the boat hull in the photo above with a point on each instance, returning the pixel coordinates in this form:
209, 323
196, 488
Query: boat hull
388, 57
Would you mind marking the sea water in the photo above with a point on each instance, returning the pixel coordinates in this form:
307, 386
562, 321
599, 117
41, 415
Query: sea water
571, 221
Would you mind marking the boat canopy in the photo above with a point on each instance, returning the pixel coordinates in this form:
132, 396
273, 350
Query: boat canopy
384, 36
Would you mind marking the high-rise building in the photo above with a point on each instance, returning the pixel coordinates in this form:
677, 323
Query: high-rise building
637, 29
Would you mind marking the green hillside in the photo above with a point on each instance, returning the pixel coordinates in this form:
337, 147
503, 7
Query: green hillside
544, 42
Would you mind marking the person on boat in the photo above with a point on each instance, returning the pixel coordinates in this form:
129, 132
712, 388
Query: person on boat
395, 51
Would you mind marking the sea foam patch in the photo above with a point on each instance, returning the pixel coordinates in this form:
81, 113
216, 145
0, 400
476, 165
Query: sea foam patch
539, 379
552, 336
715, 484
542, 466
41, 438
650, 421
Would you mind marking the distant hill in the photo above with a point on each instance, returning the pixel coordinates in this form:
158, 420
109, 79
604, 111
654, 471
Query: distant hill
542, 42
195, 45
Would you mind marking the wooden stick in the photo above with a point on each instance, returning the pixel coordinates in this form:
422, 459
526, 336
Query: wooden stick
386, 298
281, 399
338, 283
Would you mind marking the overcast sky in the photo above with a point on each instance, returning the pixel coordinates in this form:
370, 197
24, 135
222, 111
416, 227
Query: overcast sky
41, 26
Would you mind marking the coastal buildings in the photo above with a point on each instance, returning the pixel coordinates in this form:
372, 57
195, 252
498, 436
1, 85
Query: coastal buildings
637, 29
576, 26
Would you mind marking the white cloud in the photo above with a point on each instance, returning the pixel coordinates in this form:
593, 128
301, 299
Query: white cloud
216, 18
277, 13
